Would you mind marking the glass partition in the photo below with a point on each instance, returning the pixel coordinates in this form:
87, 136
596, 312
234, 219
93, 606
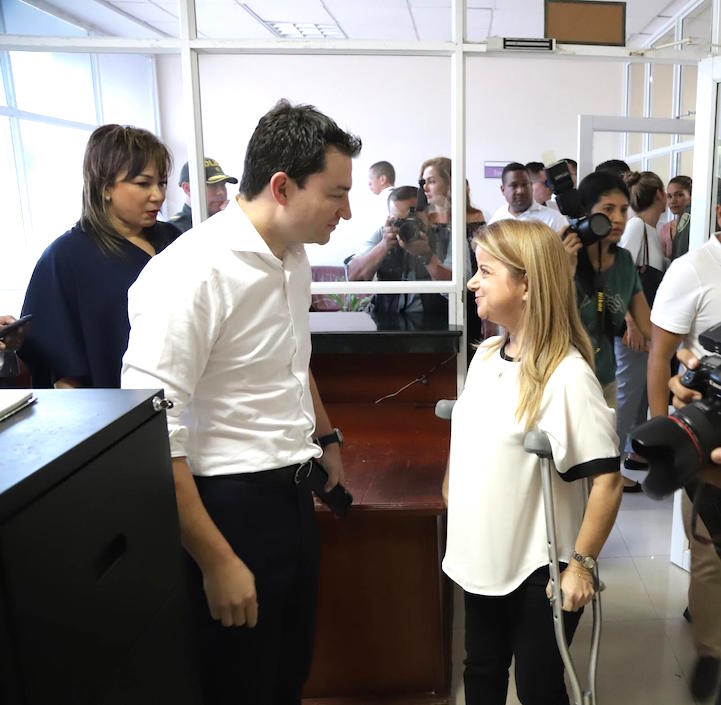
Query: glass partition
661, 100
697, 24
685, 163
60, 85
376, 98
689, 78
54, 102
636, 93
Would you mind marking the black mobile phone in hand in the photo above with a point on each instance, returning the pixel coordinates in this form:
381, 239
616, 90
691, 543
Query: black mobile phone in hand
15, 325
338, 500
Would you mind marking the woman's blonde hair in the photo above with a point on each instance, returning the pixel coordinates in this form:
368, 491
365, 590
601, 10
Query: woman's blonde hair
550, 320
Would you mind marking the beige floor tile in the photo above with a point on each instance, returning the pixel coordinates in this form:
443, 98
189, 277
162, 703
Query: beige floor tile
679, 635
646, 532
637, 664
665, 583
615, 546
636, 501
625, 597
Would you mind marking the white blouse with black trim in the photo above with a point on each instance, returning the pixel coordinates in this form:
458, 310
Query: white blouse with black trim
496, 524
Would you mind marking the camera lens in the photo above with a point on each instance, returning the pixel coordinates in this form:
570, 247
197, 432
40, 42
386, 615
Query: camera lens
672, 453
599, 225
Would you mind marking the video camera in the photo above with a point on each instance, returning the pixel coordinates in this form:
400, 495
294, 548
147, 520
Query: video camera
589, 228
678, 446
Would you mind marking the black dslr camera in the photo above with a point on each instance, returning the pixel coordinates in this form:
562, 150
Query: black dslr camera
590, 228
412, 226
677, 446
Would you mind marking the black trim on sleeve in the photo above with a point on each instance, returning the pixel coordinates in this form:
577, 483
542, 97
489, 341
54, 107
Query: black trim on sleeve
598, 466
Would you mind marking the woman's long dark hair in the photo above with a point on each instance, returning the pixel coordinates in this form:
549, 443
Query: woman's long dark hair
591, 189
114, 150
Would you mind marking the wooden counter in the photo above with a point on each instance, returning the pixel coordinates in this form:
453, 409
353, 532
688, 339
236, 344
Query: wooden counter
384, 620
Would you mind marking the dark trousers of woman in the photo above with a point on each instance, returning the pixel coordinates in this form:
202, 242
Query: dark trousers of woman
518, 625
269, 522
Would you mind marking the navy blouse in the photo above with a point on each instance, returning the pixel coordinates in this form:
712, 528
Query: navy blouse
78, 296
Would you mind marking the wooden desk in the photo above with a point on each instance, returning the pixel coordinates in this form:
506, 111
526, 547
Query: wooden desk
384, 616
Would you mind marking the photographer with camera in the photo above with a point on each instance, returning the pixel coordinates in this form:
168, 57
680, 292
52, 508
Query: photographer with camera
688, 302
607, 282
403, 250
683, 395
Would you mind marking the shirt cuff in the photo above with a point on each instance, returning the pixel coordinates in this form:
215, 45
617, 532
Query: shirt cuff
598, 466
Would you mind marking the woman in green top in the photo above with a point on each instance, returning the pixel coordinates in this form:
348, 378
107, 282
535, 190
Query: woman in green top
606, 293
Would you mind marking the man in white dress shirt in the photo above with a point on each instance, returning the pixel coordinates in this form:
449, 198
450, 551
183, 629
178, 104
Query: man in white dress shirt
517, 189
221, 323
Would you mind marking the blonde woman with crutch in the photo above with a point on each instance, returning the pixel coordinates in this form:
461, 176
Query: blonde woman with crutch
538, 375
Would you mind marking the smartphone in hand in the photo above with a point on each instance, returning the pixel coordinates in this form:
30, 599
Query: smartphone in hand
15, 325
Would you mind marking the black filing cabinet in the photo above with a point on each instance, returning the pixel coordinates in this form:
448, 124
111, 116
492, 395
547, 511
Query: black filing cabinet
92, 592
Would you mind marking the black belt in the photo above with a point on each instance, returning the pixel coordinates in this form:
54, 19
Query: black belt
310, 474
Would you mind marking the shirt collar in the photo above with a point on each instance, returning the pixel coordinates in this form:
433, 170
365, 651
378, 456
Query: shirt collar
242, 234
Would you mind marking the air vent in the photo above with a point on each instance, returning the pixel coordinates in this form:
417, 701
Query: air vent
519, 44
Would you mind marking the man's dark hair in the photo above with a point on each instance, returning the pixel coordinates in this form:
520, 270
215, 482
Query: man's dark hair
615, 166
384, 169
513, 166
402, 193
572, 162
535, 168
292, 139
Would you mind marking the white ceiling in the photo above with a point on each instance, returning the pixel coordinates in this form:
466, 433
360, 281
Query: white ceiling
406, 20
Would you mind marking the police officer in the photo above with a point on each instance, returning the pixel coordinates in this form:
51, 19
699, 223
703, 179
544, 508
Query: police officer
215, 190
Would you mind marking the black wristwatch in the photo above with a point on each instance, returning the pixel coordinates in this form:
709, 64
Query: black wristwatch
335, 436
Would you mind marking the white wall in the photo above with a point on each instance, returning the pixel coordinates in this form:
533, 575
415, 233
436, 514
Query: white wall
527, 110
518, 109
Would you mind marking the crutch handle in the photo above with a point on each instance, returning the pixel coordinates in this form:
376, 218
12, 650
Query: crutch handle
537, 442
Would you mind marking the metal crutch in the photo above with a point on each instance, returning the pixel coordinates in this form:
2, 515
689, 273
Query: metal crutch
537, 442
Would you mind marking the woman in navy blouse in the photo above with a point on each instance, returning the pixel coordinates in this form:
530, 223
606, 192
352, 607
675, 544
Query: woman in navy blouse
78, 293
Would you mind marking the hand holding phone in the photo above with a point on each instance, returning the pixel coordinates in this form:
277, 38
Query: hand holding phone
12, 332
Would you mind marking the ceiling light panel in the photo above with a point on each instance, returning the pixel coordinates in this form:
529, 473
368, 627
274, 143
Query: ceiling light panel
374, 19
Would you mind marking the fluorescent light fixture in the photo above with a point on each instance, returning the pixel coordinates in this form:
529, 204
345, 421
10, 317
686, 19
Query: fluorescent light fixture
305, 30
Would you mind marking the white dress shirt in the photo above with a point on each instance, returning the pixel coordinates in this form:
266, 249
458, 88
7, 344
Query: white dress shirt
688, 301
222, 325
555, 220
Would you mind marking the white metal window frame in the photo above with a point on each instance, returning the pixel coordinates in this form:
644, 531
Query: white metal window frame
15, 114
677, 145
189, 47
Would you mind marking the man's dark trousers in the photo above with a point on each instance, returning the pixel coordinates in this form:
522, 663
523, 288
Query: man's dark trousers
269, 522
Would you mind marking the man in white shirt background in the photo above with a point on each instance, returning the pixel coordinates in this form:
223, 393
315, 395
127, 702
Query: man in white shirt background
517, 189
381, 179
542, 192
687, 303
221, 323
